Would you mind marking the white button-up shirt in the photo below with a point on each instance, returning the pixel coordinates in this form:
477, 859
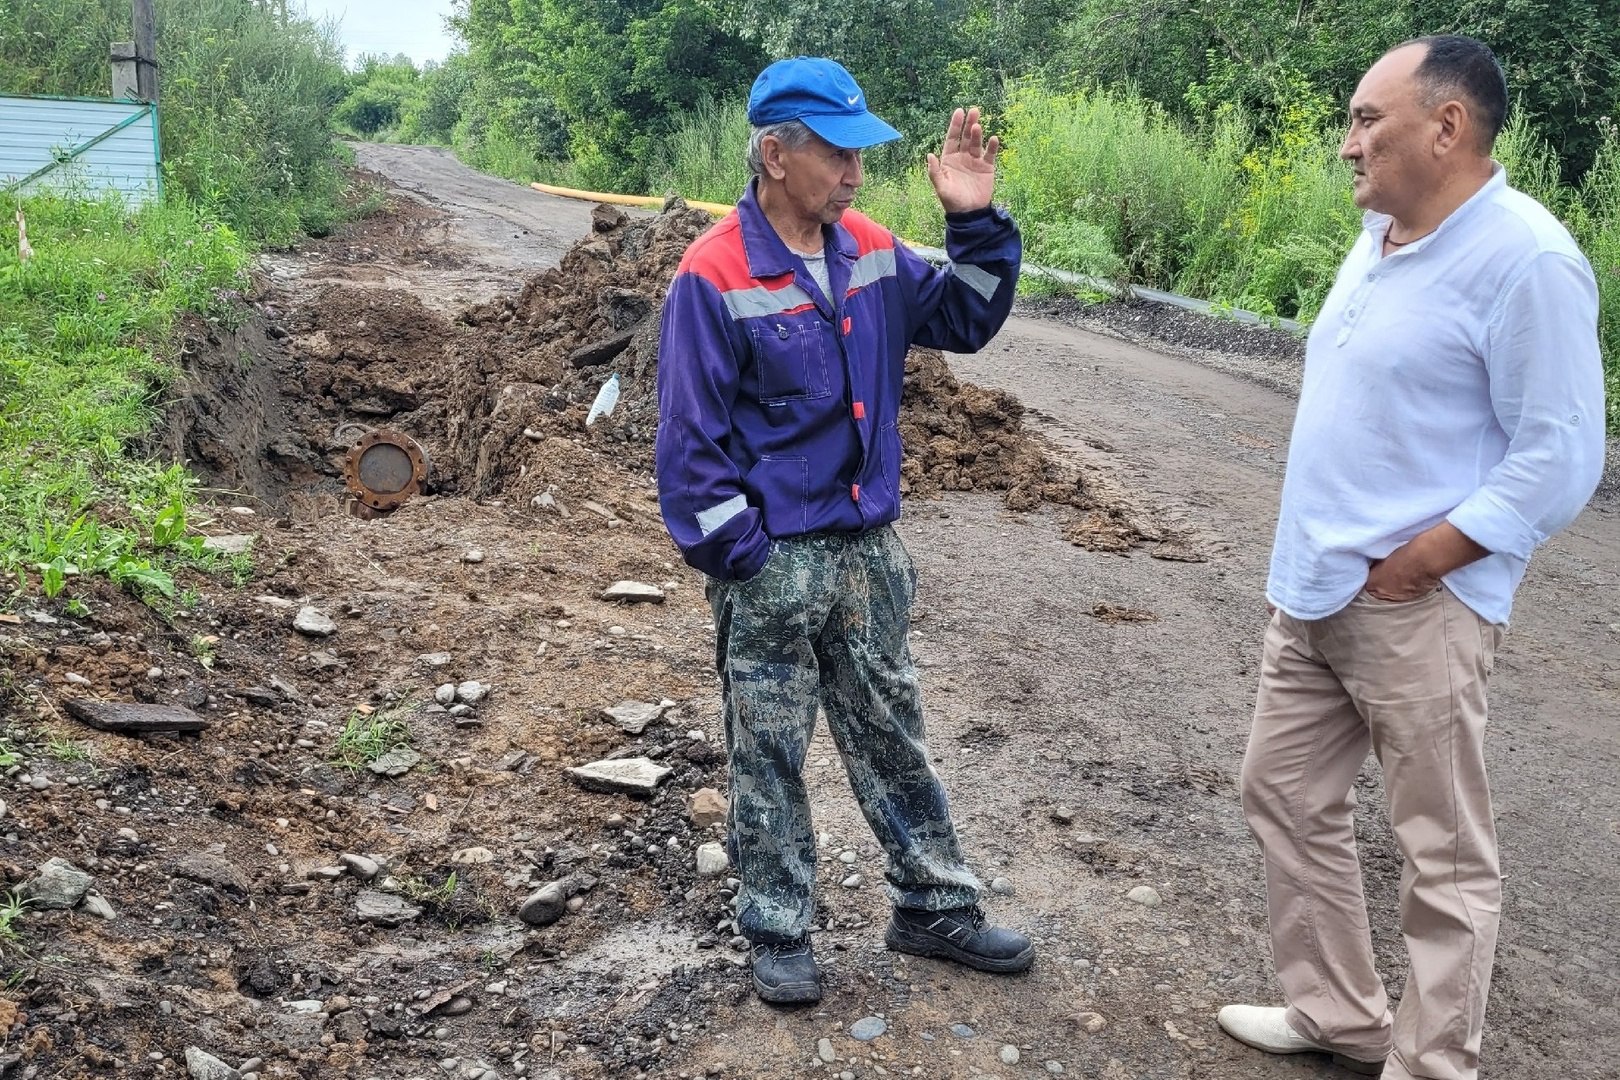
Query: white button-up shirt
1457, 379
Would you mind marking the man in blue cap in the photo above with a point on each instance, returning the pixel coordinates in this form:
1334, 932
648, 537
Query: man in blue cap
780, 374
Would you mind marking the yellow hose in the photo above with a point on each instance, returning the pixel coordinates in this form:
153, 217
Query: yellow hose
649, 202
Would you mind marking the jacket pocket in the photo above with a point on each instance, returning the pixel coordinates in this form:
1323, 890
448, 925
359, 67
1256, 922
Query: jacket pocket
780, 487
791, 357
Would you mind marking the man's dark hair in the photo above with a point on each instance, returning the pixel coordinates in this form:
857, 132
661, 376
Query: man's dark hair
1463, 68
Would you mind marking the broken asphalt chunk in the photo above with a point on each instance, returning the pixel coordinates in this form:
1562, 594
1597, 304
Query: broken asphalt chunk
133, 719
385, 910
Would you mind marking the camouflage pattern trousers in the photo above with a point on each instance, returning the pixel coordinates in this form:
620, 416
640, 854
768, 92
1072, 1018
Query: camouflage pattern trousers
827, 623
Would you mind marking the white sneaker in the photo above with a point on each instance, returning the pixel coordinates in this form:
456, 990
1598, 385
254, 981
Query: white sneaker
1266, 1029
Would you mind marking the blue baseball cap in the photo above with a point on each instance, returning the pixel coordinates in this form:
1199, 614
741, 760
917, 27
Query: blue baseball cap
821, 94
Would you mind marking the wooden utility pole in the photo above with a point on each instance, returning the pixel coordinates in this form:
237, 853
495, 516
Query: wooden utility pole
146, 70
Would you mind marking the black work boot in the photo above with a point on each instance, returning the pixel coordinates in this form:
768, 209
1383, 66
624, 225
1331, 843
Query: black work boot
787, 974
963, 935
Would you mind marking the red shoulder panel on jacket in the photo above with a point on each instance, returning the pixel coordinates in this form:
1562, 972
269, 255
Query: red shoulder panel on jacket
718, 256
868, 234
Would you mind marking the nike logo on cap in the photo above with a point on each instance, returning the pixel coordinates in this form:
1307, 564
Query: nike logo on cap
854, 99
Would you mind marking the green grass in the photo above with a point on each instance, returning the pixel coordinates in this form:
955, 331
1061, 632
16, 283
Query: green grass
67, 750
706, 158
364, 739
11, 910
86, 355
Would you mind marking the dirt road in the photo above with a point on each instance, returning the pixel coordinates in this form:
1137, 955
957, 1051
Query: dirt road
266, 903
1140, 728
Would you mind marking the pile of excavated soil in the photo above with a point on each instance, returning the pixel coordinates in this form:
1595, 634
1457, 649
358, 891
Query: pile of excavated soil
544, 355
498, 394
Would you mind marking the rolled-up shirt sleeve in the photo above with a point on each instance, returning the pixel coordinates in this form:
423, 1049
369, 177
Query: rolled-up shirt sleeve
1546, 383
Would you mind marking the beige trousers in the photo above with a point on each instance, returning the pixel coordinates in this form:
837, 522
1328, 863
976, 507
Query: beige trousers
1408, 680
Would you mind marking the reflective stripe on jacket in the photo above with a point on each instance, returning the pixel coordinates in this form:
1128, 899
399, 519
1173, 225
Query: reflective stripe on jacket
779, 407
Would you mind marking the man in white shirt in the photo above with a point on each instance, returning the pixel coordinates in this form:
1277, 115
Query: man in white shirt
1451, 420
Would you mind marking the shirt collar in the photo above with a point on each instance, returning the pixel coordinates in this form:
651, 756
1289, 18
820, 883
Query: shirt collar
1378, 224
768, 255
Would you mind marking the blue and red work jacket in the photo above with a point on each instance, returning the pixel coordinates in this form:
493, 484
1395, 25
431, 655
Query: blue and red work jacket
779, 407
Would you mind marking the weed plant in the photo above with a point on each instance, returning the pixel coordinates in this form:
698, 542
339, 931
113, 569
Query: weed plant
86, 329
364, 739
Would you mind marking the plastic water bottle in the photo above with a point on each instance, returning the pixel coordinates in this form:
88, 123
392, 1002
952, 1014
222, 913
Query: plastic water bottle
606, 399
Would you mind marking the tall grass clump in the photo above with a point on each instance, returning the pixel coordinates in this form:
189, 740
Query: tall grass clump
1595, 220
1108, 160
705, 158
86, 329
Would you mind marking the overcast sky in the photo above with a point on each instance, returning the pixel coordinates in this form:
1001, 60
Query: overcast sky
413, 27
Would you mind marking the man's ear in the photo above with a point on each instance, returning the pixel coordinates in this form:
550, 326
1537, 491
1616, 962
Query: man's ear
771, 151
1456, 127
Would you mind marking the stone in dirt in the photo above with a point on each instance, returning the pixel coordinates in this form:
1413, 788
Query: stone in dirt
632, 717
446, 694
211, 870
471, 692
634, 592
868, 1028
1002, 887
1146, 895
396, 762
473, 856
97, 905
234, 544
547, 904
312, 623
59, 886
628, 776
824, 1050
385, 910
1091, 1022
712, 861
205, 1066
361, 867
1009, 1055
1063, 815
709, 807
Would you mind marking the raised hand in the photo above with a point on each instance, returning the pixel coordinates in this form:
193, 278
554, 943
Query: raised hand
964, 171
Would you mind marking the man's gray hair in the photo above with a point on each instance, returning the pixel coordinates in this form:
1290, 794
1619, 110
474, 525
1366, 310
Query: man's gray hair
792, 134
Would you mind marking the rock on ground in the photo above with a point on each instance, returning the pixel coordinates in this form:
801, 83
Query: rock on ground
384, 909
629, 776
1146, 895
59, 886
868, 1028
547, 904
312, 623
634, 592
709, 807
632, 717
205, 1066
712, 861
